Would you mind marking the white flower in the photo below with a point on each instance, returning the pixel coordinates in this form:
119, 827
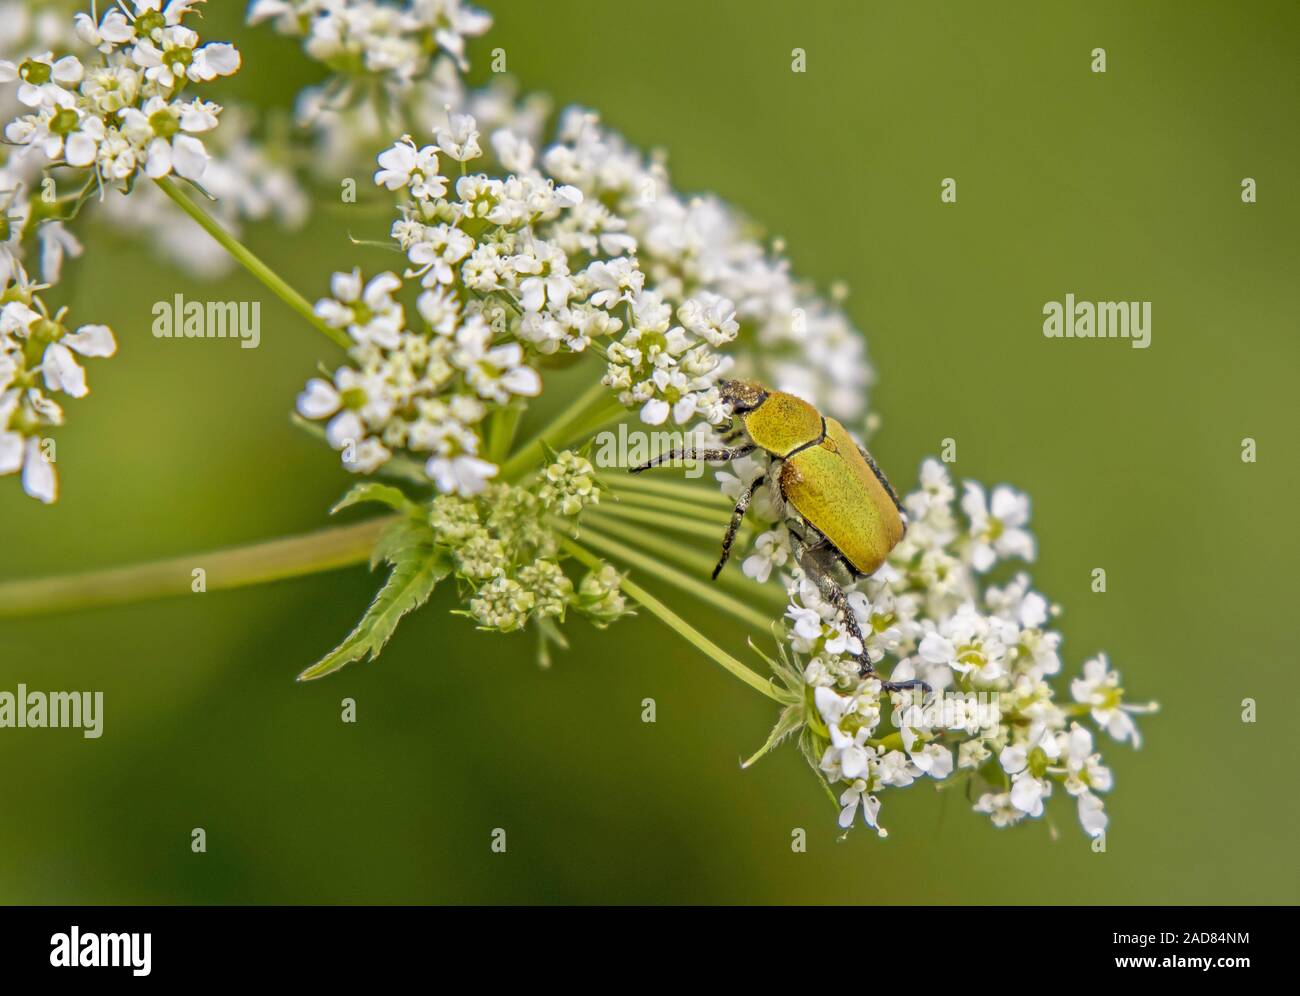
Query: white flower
435, 253
461, 475
459, 139
854, 796
57, 243
933, 759
495, 372
1028, 793
771, 549
370, 314
1083, 765
39, 479
1092, 814
997, 532
404, 165
1099, 689
61, 370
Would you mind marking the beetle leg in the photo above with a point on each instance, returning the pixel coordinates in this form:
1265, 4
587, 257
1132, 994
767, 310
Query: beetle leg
736, 516
709, 456
898, 686
833, 593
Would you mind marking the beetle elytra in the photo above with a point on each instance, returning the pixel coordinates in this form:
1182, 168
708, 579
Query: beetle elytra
842, 513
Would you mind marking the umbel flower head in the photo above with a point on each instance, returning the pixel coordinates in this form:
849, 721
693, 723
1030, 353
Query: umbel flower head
122, 113
988, 653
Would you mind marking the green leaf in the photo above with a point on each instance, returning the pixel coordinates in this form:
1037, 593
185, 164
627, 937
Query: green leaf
401, 535
416, 572
372, 491
791, 719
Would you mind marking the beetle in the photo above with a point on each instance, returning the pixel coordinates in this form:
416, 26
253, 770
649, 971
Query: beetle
844, 516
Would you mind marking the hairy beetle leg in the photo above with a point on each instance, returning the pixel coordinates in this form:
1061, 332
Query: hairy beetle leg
737, 514
898, 686
709, 456
866, 669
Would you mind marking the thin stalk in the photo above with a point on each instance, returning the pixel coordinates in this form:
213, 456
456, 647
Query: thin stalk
690, 585
593, 408
699, 564
501, 431
701, 512
679, 626
275, 560
688, 527
251, 263
668, 488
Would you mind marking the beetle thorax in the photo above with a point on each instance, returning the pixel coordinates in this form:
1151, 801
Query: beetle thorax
783, 424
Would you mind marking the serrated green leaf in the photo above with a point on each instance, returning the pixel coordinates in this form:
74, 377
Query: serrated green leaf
791, 719
416, 572
373, 491
402, 535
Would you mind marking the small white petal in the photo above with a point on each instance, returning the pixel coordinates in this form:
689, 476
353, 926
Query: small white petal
39, 479
92, 340
189, 157
318, 400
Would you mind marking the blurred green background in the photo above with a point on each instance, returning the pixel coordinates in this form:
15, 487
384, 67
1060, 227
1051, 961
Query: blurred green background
1117, 186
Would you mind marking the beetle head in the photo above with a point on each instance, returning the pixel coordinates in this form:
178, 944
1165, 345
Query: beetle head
742, 395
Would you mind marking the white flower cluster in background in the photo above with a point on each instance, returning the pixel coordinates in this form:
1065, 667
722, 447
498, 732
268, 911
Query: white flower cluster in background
122, 113
39, 360
686, 248
250, 180
391, 65
104, 98
987, 651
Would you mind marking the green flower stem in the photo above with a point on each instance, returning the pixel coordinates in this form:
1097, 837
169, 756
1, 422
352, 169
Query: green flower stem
691, 509
591, 410
668, 488
275, 560
690, 585
675, 523
251, 263
695, 562
678, 625
501, 431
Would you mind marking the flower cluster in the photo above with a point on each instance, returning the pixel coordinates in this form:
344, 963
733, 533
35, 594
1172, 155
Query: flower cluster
504, 270
987, 651
393, 40
38, 359
122, 114
709, 279
699, 251
392, 67
505, 551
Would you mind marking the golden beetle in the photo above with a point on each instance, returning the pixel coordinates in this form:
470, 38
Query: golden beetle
842, 513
